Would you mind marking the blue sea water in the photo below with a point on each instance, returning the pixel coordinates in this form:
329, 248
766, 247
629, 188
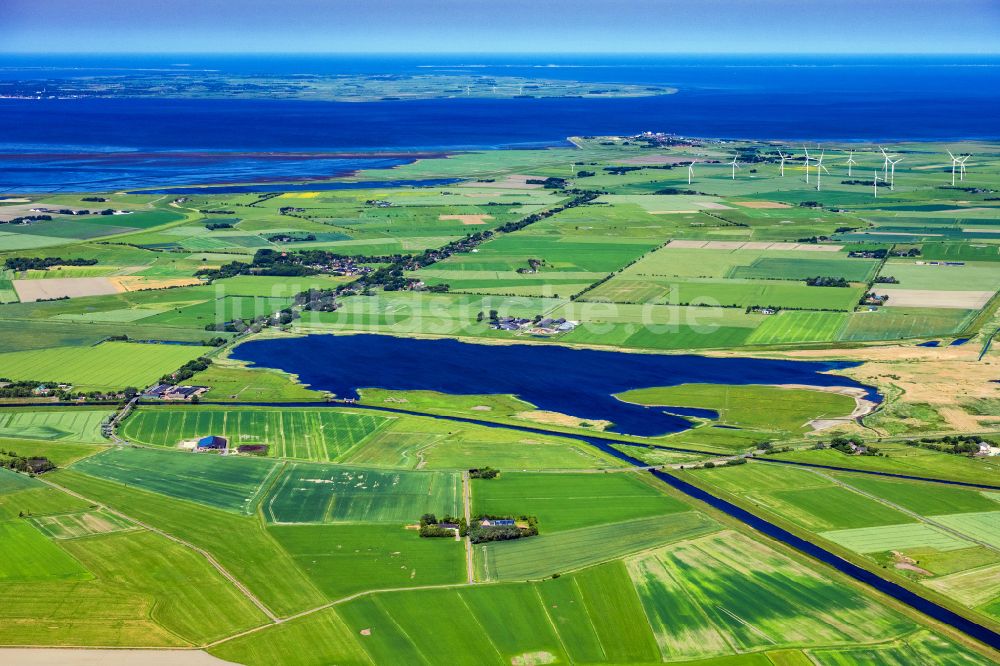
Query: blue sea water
796, 98
579, 382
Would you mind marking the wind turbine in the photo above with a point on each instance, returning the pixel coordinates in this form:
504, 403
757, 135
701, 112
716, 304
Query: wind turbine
954, 163
961, 170
735, 166
807, 162
885, 165
783, 158
875, 183
892, 173
820, 169
690, 172
850, 163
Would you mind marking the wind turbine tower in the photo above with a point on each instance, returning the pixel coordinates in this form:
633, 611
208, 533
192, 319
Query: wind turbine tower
735, 166
875, 183
820, 169
850, 163
783, 158
807, 162
961, 167
892, 173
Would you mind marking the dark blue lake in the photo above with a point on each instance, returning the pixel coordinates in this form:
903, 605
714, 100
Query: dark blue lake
579, 382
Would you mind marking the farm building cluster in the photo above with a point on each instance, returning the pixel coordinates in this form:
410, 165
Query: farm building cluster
174, 392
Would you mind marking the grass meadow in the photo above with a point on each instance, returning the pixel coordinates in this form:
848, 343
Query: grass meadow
311, 493
229, 483
322, 434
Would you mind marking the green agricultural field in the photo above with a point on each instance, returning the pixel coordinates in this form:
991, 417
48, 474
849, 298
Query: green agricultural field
26, 555
895, 537
790, 326
330, 640
109, 365
322, 434
555, 553
191, 598
239, 542
231, 483
78, 425
425, 443
920, 648
87, 523
704, 595
312, 493
570, 501
984, 526
345, 559
923, 498
764, 407
232, 383
903, 459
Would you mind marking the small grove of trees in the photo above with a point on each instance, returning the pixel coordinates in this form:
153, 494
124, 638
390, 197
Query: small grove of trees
852, 446
821, 281
188, 370
430, 527
25, 464
43, 263
484, 473
956, 444
479, 533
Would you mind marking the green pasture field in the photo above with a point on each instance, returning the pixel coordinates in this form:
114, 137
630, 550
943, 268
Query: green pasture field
425, 443
230, 382
231, 483
87, 523
191, 599
974, 587
829, 508
570, 501
313, 493
705, 595
239, 543
923, 498
21, 495
555, 553
756, 477
27, 555
109, 365
763, 407
417, 312
11, 481
895, 537
263, 286
219, 311
348, 558
919, 274
322, 434
902, 459
801, 496
61, 453
961, 251
984, 526
26, 335
789, 326
920, 648
76, 424
716, 439
902, 323
326, 633
736, 292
